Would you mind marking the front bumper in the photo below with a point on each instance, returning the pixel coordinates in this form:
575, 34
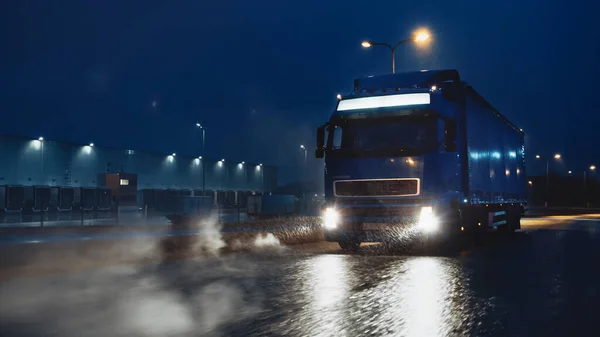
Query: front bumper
374, 222
385, 221
373, 232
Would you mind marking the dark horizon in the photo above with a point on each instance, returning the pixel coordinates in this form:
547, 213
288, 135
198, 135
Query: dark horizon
262, 77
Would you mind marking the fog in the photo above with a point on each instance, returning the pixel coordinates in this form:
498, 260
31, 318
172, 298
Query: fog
142, 299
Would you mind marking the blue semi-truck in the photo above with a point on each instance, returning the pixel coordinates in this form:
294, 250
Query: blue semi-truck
419, 153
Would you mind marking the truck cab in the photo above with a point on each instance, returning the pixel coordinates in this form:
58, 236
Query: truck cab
397, 163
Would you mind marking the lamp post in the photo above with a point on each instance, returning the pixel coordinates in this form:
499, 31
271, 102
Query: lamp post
242, 167
418, 38
592, 168
304, 201
198, 125
41, 140
262, 178
557, 157
304, 149
244, 172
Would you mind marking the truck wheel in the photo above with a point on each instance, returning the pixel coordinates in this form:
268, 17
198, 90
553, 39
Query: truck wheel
351, 246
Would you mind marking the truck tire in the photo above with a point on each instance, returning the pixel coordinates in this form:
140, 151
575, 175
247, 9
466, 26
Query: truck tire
351, 245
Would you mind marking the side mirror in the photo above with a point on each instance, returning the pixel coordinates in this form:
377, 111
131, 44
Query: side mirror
320, 152
450, 135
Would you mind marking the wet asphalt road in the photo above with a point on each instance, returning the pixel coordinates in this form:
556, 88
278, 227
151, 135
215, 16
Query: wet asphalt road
542, 282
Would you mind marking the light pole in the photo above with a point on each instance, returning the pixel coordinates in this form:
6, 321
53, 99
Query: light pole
304, 149
303, 188
198, 125
41, 140
242, 167
244, 172
262, 178
557, 157
592, 168
418, 38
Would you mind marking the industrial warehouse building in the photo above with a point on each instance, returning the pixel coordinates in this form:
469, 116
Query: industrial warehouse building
40, 174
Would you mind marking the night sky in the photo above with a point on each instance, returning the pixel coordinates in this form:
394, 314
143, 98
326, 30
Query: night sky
262, 75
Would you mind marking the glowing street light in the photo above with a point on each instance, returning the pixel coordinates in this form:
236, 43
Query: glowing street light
419, 37
304, 202
570, 172
41, 142
557, 156
174, 154
91, 144
422, 37
304, 149
339, 97
592, 168
198, 125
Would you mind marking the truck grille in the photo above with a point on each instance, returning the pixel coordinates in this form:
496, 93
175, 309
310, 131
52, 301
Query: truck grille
379, 187
380, 211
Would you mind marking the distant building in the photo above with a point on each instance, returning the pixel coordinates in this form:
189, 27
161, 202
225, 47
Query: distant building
42, 162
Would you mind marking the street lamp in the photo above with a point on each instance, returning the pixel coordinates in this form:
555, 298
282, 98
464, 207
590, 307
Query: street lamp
303, 192
198, 125
557, 156
420, 37
242, 167
262, 178
592, 168
41, 139
304, 149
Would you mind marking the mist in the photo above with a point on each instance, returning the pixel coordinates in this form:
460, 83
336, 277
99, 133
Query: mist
140, 287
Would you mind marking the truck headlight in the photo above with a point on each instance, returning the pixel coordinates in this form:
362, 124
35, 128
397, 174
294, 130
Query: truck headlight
330, 218
427, 220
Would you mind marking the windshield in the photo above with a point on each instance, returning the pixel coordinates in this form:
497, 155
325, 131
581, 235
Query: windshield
399, 133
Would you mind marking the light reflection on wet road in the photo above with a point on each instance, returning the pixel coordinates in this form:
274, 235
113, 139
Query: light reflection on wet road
546, 282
